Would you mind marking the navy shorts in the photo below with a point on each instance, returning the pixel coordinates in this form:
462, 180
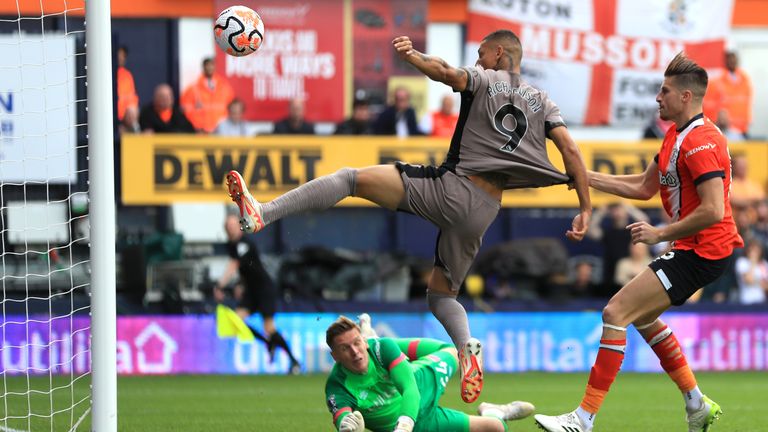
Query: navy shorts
682, 273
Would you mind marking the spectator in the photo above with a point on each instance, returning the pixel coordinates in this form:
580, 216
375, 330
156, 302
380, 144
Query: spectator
163, 116
613, 234
584, 280
205, 101
760, 227
736, 89
745, 193
126, 88
295, 124
359, 123
441, 123
130, 122
398, 119
657, 128
723, 123
629, 267
234, 125
752, 274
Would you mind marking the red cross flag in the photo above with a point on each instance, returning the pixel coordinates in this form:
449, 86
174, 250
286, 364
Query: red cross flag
602, 61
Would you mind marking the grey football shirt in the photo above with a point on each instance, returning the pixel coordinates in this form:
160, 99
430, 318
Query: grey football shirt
502, 129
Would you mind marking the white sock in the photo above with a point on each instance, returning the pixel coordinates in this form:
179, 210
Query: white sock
587, 418
693, 399
494, 412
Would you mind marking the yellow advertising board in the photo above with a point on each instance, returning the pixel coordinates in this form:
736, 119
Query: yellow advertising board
167, 169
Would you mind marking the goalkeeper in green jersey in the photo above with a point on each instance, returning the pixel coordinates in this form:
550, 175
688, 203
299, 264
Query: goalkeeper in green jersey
387, 384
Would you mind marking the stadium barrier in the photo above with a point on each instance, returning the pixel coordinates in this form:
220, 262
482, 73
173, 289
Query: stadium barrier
513, 342
167, 169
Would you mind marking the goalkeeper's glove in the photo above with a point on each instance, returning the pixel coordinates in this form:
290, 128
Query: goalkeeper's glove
352, 423
404, 424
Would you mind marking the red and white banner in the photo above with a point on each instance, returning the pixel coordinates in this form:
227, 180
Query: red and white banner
302, 56
602, 61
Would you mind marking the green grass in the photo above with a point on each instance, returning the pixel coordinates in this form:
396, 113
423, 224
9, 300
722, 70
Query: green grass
638, 402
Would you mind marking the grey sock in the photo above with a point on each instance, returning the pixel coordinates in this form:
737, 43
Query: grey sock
451, 315
318, 194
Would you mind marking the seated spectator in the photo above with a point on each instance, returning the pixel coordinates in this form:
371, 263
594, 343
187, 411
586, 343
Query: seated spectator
745, 193
295, 124
629, 267
130, 122
234, 125
752, 274
723, 123
206, 100
657, 128
359, 123
162, 115
584, 280
399, 118
441, 123
609, 227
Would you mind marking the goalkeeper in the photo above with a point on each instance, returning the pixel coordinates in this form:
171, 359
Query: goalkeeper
387, 384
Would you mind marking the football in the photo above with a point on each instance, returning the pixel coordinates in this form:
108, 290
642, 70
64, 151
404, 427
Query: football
239, 31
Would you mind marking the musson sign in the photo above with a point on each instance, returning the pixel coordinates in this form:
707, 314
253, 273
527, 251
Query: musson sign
167, 169
602, 61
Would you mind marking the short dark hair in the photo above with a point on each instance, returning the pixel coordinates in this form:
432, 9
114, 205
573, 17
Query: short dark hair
687, 75
360, 102
207, 60
235, 101
511, 43
340, 326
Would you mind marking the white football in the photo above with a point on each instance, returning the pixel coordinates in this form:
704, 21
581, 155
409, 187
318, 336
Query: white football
239, 31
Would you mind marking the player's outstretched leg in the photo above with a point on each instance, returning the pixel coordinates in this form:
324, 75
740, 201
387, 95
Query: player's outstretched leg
471, 362
512, 411
701, 419
251, 213
317, 194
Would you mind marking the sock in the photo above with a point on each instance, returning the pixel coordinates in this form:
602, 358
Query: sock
587, 418
277, 340
416, 348
494, 411
451, 315
318, 194
673, 361
603, 373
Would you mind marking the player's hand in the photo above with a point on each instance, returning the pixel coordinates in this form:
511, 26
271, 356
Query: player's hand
352, 423
403, 47
579, 226
404, 424
643, 232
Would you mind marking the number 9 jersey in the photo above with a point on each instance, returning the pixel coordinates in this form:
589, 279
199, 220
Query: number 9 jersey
502, 129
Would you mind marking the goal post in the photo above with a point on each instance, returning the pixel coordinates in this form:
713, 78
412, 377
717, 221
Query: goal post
98, 37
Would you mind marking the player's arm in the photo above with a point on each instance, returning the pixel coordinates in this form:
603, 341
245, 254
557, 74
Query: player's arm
415, 348
402, 377
433, 67
339, 402
575, 168
229, 272
634, 186
710, 211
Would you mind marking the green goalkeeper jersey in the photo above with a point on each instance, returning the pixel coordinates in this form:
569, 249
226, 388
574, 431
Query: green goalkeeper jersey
392, 387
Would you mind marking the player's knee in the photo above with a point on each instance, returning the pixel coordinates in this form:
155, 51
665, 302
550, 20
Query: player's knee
612, 314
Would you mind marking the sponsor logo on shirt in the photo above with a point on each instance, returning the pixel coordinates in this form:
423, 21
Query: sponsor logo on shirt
708, 146
667, 180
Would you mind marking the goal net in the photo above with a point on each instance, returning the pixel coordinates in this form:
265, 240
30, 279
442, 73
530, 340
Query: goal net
45, 356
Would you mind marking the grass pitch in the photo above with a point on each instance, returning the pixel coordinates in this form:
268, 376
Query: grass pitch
637, 402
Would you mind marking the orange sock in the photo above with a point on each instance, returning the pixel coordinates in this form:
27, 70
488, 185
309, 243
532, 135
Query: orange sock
667, 349
604, 371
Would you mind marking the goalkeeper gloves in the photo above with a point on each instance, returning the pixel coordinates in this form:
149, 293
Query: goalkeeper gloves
404, 424
352, 423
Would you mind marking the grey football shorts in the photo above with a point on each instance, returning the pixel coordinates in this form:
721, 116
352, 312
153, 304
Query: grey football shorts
461, 210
